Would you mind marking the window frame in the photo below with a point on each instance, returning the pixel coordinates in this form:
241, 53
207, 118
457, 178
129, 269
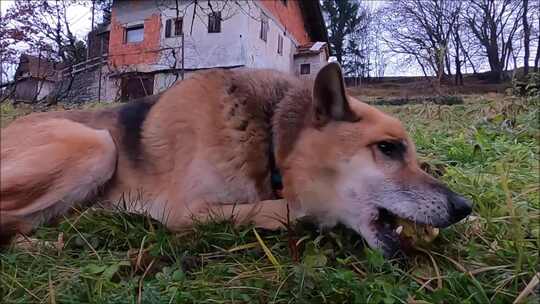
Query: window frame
178, 21
214, 22
265, 28
133, 28
302, 66
171, 27
280, 45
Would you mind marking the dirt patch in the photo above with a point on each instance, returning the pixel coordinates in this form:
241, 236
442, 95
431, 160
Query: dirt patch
441, 100
413, 87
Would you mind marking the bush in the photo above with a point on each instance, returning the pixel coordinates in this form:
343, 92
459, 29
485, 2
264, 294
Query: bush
529, 86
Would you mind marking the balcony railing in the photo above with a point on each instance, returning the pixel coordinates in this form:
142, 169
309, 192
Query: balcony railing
82, 66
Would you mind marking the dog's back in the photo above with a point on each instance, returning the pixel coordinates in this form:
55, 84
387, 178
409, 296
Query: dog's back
205, 139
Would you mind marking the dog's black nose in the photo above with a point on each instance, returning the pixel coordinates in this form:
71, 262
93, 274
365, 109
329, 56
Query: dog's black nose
460, 207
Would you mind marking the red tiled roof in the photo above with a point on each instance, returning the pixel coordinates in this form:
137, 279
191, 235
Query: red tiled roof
311, 48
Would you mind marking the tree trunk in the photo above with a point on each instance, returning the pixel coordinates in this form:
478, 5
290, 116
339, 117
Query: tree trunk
458, 79
526, 37
448, 67
457, 44
496, 64
338, 48
537, 58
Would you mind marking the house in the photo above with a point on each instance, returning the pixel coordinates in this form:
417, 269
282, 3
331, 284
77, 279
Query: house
151, 44
35, 78
309, 58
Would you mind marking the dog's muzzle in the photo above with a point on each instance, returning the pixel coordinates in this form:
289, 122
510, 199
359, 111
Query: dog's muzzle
458, 207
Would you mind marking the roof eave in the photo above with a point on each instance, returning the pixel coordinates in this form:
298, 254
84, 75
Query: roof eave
313, 18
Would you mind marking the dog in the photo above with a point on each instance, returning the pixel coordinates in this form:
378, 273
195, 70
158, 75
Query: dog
257, 146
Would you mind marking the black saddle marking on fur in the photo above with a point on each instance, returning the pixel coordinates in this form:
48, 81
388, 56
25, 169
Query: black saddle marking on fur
276, 179
131, 118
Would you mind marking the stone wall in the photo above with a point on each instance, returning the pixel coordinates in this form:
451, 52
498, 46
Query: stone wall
84, 86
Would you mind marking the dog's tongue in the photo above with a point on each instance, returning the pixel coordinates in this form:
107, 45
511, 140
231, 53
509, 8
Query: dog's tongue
416, 234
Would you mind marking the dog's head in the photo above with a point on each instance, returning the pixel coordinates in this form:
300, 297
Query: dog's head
356, 165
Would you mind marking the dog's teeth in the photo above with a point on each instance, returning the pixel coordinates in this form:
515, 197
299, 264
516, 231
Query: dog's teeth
399, 229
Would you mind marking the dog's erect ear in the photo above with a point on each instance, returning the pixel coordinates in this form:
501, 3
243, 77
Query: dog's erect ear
329, 97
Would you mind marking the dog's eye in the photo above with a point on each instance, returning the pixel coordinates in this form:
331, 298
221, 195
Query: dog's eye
391, 149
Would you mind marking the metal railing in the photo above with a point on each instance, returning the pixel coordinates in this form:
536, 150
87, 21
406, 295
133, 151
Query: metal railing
82, 66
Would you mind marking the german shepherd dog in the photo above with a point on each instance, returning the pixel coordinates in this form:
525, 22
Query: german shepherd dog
225, 142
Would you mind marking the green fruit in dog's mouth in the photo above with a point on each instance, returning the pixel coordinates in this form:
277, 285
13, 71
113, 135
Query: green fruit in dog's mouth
414, 233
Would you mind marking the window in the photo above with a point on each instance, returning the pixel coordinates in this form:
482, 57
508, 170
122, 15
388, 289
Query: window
214, 22
134, 34
305, 69
177, 30
104, 43
264, 28
280, 45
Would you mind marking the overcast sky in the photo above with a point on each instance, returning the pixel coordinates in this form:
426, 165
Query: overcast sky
79, 17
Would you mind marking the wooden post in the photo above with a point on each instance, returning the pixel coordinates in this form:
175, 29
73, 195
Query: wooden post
90, 34
183, 49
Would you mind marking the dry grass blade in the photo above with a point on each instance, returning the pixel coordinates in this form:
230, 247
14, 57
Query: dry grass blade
458, 265
52, 293
267, 251
141, 281
489, 268
423, 284
435, 267
528, 289
242, 247
358, 270
26, 289
411, 300
83, 238
140, 254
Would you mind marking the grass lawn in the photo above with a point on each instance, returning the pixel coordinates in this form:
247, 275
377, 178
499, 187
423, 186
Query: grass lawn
487, 149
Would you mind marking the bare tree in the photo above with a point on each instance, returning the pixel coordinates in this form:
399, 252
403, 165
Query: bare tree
526, 37
537, 58
420, 30
457, 46
39, 27
378, 54
494, 24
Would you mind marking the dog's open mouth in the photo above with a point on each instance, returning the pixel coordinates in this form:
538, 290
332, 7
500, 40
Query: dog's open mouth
396, 233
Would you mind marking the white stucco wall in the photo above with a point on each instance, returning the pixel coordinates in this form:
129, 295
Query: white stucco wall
44, 89
238, 44
202, 49
261, 54
165, 80
316, 62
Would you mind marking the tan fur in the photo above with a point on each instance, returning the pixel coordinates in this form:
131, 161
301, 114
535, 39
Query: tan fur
49, 165
204, 149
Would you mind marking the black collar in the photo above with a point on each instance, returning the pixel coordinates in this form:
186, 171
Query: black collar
275, 175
